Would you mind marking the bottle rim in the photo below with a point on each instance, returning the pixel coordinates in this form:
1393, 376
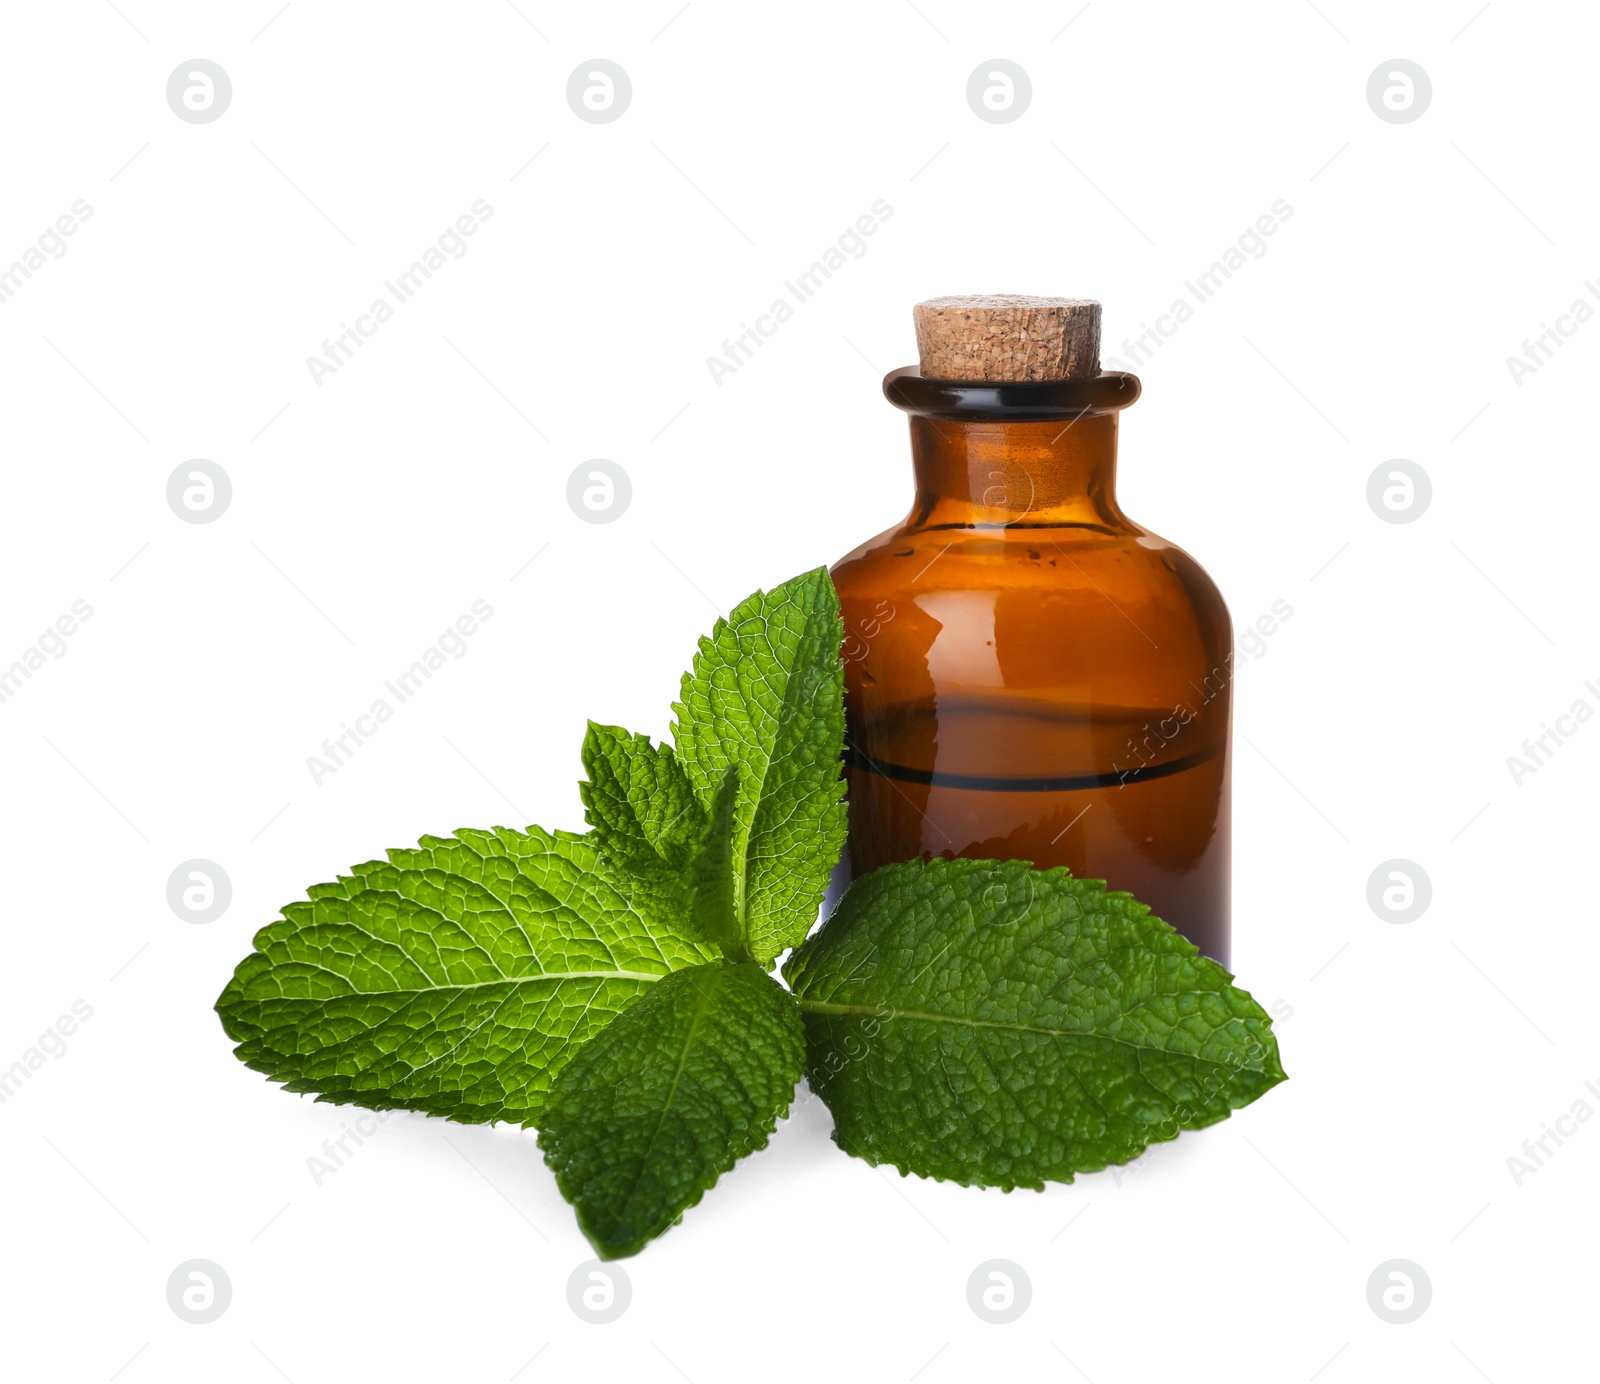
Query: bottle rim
1009, 400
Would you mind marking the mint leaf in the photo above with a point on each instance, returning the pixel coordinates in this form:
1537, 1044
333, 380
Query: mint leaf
714, 917
993, 1024
456, 978
766, 695
638, 800
696, 1075
645, 818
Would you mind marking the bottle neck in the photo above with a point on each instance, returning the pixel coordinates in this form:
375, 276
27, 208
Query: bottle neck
1036, 473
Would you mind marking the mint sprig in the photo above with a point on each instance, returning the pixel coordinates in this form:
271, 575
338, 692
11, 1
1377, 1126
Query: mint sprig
975, 1020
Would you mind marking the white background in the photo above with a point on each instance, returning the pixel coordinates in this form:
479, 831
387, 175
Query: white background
372, 510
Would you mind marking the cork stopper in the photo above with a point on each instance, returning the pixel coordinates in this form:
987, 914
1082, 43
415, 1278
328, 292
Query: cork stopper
1008, 336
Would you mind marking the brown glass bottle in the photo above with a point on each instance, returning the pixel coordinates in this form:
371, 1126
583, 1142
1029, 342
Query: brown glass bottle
1029, 673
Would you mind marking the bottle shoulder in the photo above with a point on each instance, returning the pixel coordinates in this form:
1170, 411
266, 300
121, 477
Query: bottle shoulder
1130, 563
1121, 617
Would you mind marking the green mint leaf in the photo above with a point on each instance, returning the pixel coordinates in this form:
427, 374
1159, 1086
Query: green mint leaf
456, 978
714, 918
645, 818
646, 1117
992, 1024
638, 800
766, 695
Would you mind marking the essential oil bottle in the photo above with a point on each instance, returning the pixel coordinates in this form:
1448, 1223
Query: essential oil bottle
1030, 674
